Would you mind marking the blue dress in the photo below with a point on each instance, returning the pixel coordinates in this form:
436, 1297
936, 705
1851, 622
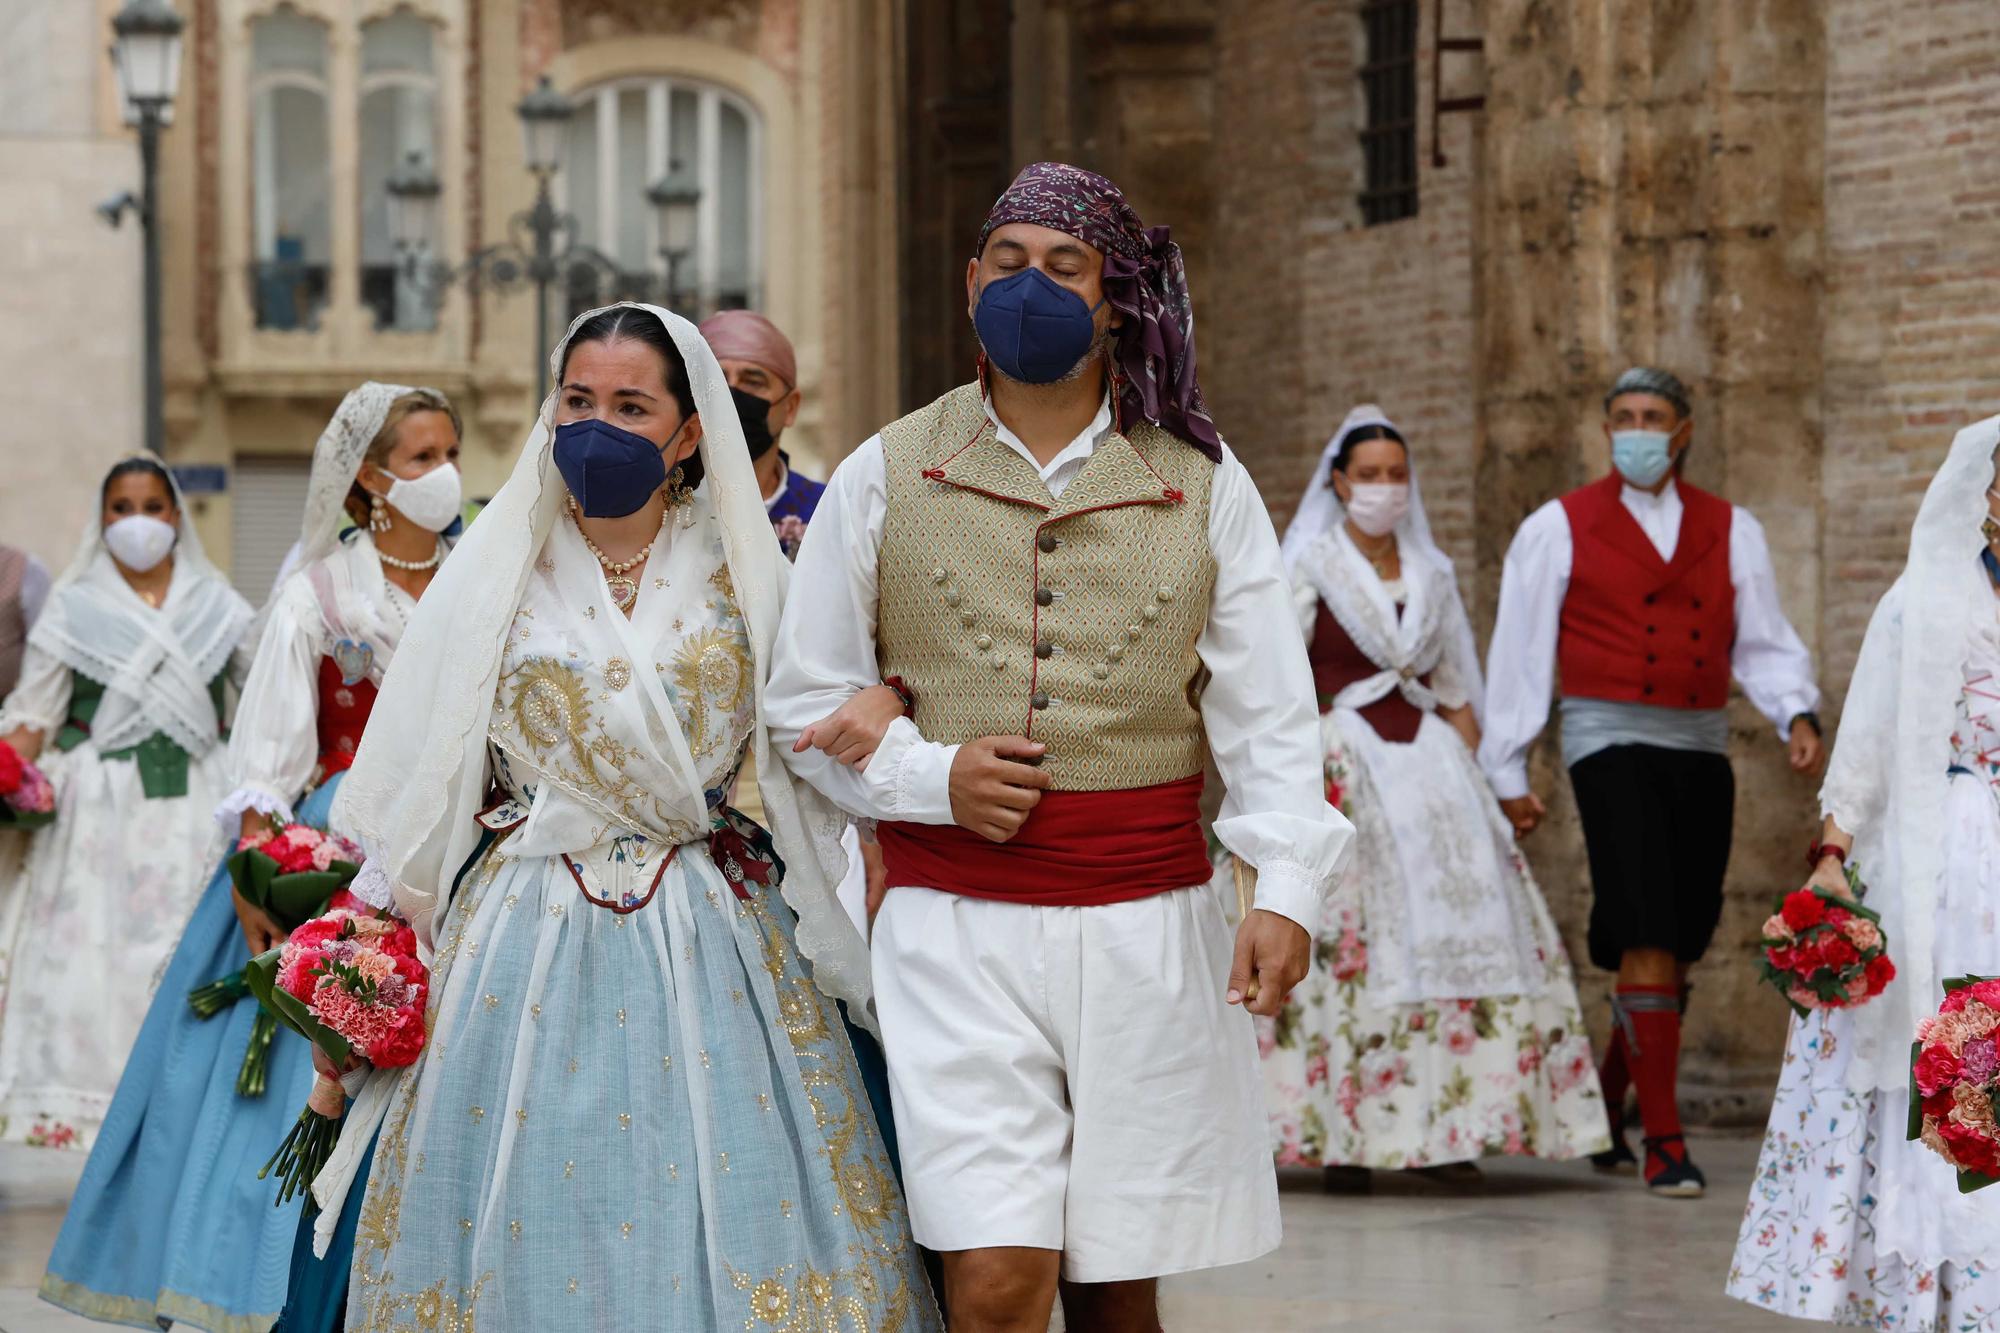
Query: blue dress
169, 1221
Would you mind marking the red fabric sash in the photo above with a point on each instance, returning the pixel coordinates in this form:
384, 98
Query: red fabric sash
1077, 849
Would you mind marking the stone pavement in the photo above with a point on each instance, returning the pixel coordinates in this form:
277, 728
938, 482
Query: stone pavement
1545, 1247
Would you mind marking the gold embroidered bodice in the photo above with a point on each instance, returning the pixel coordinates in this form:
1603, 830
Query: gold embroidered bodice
1071, 621
577, 719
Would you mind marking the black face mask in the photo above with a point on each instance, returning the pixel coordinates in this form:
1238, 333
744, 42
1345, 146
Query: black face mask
755, 414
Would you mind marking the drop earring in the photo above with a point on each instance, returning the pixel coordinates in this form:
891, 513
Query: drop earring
1989, 528
378, 514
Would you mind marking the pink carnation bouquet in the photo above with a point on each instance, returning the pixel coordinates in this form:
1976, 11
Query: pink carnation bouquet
1824, 950
292, 873
26, 798
1954, 1067
350, 982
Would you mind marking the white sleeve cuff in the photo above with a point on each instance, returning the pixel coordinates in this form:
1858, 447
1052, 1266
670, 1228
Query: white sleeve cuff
229, 815
923, 779
1509, 781
372, 886
1805, 701
1289, 889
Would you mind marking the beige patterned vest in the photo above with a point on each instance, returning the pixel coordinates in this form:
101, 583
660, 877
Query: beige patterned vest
1072, 622
13, 617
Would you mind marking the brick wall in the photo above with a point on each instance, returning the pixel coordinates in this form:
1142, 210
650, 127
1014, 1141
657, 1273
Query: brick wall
1913, 277
1310, 312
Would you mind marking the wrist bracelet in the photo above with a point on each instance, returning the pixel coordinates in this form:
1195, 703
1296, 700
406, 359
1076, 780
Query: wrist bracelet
1819, 851
904, 693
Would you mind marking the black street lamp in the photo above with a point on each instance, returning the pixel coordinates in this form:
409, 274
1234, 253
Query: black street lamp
543, 244
676, 198
146, 53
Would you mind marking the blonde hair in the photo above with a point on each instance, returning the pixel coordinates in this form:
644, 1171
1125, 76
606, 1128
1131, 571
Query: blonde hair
384, 443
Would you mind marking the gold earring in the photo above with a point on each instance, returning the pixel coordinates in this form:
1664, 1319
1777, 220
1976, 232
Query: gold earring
678, 491
378, 514
1989, 528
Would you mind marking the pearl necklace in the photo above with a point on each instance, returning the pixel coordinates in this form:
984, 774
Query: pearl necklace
623, 588
412, 566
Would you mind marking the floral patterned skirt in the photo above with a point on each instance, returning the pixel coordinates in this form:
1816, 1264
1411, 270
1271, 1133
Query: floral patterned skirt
1352, 1080
1851, 1223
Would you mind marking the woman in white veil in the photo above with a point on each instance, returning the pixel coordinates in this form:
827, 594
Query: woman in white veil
169, 1219
121, 702
638, 1106
1442, 1024
1849, 1221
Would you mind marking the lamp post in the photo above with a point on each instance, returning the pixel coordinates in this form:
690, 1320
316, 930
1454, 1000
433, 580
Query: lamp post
544, 117
542, 245
676, 198
413, 190
146, 52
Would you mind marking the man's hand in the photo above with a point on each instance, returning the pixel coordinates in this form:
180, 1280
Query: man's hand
260, 932
1525, 813
994, 785
853, 732
1272, 955
1806, 747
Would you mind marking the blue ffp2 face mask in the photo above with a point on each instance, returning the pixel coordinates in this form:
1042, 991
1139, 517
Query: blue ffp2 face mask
1033, 328
1642, 457
609, 470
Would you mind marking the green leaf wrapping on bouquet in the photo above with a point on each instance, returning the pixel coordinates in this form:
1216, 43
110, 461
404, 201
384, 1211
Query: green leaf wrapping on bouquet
1916, 1116
218, 995
25, 819
291, 899
262, 974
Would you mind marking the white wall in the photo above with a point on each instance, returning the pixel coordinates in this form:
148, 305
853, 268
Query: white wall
69, 285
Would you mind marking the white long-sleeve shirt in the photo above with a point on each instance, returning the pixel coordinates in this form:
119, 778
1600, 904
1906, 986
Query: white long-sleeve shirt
1258, 710
1768, 660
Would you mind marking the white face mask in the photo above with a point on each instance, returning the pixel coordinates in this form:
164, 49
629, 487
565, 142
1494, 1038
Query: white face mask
430, 501
140, 541
1378, 506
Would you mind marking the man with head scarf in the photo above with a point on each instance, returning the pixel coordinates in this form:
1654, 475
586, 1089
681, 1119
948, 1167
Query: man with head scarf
763, 377
1648, 595
1077, 588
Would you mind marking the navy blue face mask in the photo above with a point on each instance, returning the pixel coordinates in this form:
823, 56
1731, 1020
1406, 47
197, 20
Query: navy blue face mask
609, 470
1033, 328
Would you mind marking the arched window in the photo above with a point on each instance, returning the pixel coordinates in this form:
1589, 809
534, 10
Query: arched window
399, 94
631, 133
291, 183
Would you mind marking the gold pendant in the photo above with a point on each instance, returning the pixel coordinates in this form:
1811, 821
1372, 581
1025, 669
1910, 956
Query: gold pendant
624, 591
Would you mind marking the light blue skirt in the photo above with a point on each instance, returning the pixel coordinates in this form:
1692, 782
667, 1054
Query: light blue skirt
639, 1119
169, 1221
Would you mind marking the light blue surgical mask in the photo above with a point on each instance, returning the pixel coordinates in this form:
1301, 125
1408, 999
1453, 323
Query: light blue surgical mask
1641, 456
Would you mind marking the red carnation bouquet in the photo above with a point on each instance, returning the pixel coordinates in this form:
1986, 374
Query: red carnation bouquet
1954, 1067
349, 981
1824, 950
292, 873
27, 800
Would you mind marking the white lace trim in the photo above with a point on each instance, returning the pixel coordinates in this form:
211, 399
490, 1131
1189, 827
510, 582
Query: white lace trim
229, 814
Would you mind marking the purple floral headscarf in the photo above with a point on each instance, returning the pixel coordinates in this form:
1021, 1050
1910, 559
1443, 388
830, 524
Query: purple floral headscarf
1144, 279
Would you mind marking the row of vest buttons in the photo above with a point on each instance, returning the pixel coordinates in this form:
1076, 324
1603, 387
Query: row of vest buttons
1692, 634
1652, 659
1654, 597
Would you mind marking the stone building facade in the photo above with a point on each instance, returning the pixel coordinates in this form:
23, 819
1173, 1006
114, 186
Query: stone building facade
1471, 211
